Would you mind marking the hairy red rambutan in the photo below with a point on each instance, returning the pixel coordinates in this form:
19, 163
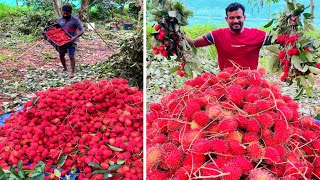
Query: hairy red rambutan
234, 172
190, 109
154, 156
272, 154
235, 93
255, 78
159, 139
264, 104
266, 133
168, 147
214, 111
282, 136
223, 76
262, 71
228, 125
175, 108
253, 126
237, 148
184, 173
242, 120
310, 135
209, 169
242, 162
250, 108
254, 89
265, 120
286, 112
251, 97
236, 135
155, 107
189, 136
255, 151
280, 125
250, 137
174, 158
261, 174
196, 82
157, 175
219, 145
201, 118
281, 151
266, 93
173, 136
316, 162
316, 145
243, 73
194, 158
211, 78
201, 146
241, 81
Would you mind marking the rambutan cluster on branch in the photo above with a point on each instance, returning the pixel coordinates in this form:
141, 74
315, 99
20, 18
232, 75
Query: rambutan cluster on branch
233, 125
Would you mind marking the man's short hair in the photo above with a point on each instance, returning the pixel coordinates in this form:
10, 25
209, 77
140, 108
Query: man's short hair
233, 7
67, 8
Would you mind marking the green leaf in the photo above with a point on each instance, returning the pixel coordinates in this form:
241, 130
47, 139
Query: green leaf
20, 165
291, 6
307, 15
41, 177
115, 148
114, 167
310, 79
106, 175
296, 61
269, 24
1, 173
20, 174
309, 56
274, 49
188, 70
57, 173
154, 4
96, 165
119, 161
35, 100
62, 160
99, 171
35, 173
173, 69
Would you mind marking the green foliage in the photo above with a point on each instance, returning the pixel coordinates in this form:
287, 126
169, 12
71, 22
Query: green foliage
128, 62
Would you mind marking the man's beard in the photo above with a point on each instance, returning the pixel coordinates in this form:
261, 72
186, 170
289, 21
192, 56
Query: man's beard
238, 29
66, 17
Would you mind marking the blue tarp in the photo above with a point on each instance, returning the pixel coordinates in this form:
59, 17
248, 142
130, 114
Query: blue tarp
6, 115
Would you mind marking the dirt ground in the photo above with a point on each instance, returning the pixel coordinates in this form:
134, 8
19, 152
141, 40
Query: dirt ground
42, 54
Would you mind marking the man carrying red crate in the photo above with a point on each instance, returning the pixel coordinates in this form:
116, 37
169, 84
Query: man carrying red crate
71, 24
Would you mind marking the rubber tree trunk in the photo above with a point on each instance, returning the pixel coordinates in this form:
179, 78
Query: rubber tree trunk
83, 8
140, 2
312, 9
17, 3
57, 4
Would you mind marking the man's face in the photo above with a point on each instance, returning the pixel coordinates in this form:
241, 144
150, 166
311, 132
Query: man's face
66, 15
235, 19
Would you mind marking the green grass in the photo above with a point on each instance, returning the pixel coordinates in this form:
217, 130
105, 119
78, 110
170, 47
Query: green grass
6, 11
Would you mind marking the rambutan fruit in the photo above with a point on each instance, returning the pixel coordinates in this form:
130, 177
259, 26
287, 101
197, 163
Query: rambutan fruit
175, 108
242, 162
282, 136
241, 81
190, 109
236, 135
243, 73
194, 158
168, 147
266, 133
316, 145
242, 120
209, 170
196, 82
214, 111
280, 125
281, 151
219, 145
235, 93
157, 175
159, 139
228, 125
255, 151
253, 126
154, 156
255, 78
262, 71
254, 89
251, 97
261, 174
201, 146
264, 104
266, 93
250, 108
234, 172
174, 158
188, 137
155, 107
223, 76
265, 120
173, 136
184, 173
272, 154
237, 148
201, 118
316, 162
174, 125
250, 137
307, 121
286, 112
310, 135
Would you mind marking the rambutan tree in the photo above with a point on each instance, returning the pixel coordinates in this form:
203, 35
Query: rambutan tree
169, 37
294, 53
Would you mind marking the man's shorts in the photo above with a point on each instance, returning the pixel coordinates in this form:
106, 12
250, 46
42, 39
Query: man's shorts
70, 51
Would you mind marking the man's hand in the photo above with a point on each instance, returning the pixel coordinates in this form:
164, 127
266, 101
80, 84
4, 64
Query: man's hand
73, 39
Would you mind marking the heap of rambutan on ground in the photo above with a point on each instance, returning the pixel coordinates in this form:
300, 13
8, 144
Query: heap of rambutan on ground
88, 122
233, 125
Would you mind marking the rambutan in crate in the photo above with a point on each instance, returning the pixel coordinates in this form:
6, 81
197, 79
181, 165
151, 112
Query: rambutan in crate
58, 37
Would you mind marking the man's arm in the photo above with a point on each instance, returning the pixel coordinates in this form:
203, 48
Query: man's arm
80, 31
198, 42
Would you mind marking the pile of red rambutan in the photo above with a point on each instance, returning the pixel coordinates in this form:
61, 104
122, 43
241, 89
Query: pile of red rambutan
86, 122
233, 125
